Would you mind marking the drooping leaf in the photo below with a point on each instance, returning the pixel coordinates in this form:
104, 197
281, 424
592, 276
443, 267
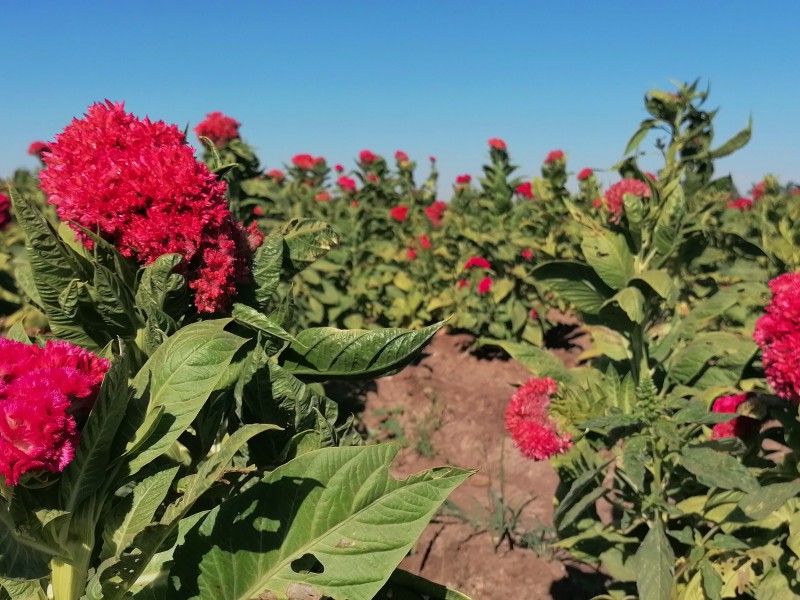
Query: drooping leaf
654, 563
715, 469
608, 254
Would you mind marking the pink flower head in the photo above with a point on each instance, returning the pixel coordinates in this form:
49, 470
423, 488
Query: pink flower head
584, 174
614, 195
597, 202
527, 254
742, 204
41, 389
347, 184
777, 332
275, 174
322, 197
5, 211
138, 184
432, 159
525, 190
219, 128
258, 211
477, 262
399, 213
738, 427
463, 179
36, 148
533, 314
554, 156
372, 178
411, 254
306, 162
424, 242
485, 285
435, 212
354, 204
462, 283
338, 168
401, 156
497, 144
530, 425
367, 157
759, 190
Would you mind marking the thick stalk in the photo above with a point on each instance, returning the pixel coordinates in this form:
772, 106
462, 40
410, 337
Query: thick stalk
69, 578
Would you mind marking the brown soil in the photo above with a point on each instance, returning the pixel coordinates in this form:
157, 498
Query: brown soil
449, 409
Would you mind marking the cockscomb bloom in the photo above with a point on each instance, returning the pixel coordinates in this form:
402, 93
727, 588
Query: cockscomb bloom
533, 314
367, 157
462, 283
347, 184
497, 144
435, 212
741, 204
614, 195
41, 392
759, 190
306, 161
258, 211
275, 174
554, 156
219, 128
485, 285
399, 213
527, 254
525, 190
338, 168
777, 332
372, 178
432, 159
5, 211
463, 179
401, 156
411, 254
424, 242
738, 427
477, 262
137, 183
322, 197
527, 420
36, 148
584, 174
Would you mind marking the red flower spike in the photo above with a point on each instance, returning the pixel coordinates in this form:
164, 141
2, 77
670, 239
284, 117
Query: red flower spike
485, 285
347, 184
399, 213
527, 254
5, 211
584, 174
367, 157
528, 421
36, 148
219, 128
525, 190
615, 194
554, 156
477, 261
435, 212
738, 427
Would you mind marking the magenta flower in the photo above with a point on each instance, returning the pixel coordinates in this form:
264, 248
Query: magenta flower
219, 128
527, 420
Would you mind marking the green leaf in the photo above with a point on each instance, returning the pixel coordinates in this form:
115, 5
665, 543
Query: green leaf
17, 333
608, 254
540, 362
331, 522
654, 563
267, 263
697, 413
712, 581
733, 144
257, 321
306, 240
403, 585
327, 353
761, 503
714, 469
639, 136
631, 300
19, 557
21, 590
578, 490
576, 283
659, 281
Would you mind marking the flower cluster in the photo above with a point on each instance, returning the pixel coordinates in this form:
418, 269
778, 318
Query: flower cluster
137, 183
399, 213
554, 156
435, 212
219, 128
738, 427
401, 157
615, 195
347, 184
41, 392
367, 157
778, 334
497, 144
525, 190
275, 174
477, 261
485, 285
741, 204
36, 148
463, 179
5, 212
530, 425
306, 162
584, 174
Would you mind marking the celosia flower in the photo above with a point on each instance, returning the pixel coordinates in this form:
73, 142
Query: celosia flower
432, 159
777, 332
399, 213
138, 184
275, 174
738, 427
41, 390
533, 314
411, 254
597, 202
258, 211
463, 179
462, 283
338, 168
322, 197
219, 128
5, 211
742, 204
554, 156
485, 285
367, 157
354, 204
401, 156
525, 190
36, 148
477, 261
584, 174
759, 190
527, 254
347, 184
435, 212
424, 242
497, 144
614, 195
304, 161
530, 425
372, 178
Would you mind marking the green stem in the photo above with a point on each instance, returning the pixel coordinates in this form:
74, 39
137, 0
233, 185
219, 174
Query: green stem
69, 578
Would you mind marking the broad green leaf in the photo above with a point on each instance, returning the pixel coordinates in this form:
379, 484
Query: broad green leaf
306, 240
761, 503
328, 353
576, 283
733, 144
654, 563
329, 523
659, 281
539, 361
697, 413
712, 582
631, 300
21, 590
715, 469
403, 585
257, 321
580, 487
17, 333
608, 254
267, 263
20, 557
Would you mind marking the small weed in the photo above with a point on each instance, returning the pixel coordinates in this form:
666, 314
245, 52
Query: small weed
389, 427
424, 430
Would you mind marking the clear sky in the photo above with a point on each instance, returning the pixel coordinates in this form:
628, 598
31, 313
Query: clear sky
430, 77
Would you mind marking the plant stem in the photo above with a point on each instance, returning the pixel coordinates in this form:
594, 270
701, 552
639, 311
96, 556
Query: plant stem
69, 578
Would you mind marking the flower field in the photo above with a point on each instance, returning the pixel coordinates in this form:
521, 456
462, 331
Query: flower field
210, 365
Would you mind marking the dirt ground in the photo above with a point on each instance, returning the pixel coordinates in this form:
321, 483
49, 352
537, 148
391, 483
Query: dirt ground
449, 409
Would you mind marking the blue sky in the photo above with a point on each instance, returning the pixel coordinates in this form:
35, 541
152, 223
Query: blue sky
432, 77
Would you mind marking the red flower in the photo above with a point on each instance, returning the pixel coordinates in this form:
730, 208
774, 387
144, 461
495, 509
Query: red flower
477, 261
322, 197
497, 144
584, 174
411, 254
372, 178
597, 202
41, 389
305, 161
219, 128
530, 425
533, 314
777, 332
651, 176
338, 168
759, 190
401, 156
614, 195
795, 191
425, 242
738, 427
485, 285
742, 204
367, 157
354, 204
554, 156
435, 212
275, 174
527, 254
462, 283
347, 184
399, 213
432, 159
139, 185
462, 179
5, 211
525, 190
36, 148
258, 211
